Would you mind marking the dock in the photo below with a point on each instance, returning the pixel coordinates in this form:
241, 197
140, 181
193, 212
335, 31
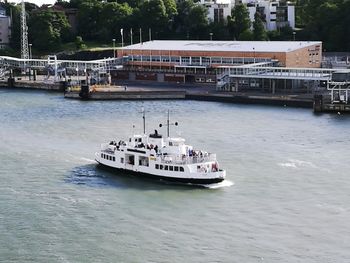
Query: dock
30, 84
129, 95
262, 99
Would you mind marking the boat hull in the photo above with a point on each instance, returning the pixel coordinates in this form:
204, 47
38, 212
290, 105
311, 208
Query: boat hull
198, 181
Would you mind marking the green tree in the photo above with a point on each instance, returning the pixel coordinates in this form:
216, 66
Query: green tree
79, 43
89, 14
239, 21
48, 29
328, 21
171, 8
154, 15
259, 31
197, 22
246, 35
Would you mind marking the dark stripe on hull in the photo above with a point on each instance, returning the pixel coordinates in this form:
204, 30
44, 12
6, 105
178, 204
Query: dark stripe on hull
164, 178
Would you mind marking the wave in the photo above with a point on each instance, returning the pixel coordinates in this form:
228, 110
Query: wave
225, 183
293, 163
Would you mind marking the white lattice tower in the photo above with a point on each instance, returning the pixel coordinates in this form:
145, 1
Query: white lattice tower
24, 34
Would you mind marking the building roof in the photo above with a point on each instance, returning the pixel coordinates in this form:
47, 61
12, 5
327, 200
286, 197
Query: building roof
226, 46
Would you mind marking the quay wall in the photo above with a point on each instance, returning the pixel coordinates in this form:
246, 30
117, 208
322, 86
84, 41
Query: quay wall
284, 101
39, 85
131, 95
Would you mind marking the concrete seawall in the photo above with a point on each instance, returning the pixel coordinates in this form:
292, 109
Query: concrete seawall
274, 100
148, 92
131, 95
26, 84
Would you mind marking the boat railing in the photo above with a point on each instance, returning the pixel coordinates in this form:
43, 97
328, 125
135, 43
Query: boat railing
171, 159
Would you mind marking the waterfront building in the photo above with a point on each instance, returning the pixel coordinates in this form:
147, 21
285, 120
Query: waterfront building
275, 14
5, 28
230, 65
218, 10
200, 61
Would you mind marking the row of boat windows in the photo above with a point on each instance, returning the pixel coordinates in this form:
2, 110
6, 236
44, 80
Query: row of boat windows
169, 168
107, 157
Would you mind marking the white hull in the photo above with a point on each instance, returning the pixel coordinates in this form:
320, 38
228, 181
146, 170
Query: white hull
180, 172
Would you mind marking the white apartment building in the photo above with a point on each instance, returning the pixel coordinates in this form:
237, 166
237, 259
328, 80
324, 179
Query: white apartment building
218, 10
275, 13
5, 29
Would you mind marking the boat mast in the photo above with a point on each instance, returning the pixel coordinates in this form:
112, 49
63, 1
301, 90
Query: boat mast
168, 124
144, 120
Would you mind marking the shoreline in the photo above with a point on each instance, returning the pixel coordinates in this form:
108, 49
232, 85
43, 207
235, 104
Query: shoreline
165, 91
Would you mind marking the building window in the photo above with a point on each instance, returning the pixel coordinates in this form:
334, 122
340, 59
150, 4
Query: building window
216, 60
185, 60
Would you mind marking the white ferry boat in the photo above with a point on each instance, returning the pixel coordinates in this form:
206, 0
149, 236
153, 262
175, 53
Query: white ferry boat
168, 159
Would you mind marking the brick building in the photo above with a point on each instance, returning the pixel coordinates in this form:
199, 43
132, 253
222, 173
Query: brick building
193, 61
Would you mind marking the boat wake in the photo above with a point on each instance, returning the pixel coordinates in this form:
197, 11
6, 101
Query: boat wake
292, 163
225, 183
87, 160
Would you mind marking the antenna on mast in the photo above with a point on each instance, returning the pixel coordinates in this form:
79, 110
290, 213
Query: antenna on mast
144, 119
168, 124
24, 33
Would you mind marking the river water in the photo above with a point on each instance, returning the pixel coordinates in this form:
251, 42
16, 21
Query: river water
286, 198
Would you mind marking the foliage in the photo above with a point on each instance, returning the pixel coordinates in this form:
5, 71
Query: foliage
259, 31
239, 22
79, 43
101, 21
48, 29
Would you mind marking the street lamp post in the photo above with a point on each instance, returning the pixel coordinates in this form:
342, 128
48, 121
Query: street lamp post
113, 47
254, 53
211, 36
30, 51
294, 33
30, 57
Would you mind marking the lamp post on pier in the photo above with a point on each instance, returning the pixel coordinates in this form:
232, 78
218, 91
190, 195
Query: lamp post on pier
254, 53
30, 51
211, 36
113, 47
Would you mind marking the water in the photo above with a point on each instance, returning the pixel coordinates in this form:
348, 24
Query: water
289, 201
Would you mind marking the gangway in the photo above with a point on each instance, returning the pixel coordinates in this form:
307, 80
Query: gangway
13, 63
245, 71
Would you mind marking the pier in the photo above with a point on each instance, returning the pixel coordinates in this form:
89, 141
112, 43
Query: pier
324, 90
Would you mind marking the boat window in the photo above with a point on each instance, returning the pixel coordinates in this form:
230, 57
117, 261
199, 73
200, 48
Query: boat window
161, 167
170, 143
129, 139
171, 168
165, 167
176, 168
113, 159
101, 155
143, 161
157, 166
182, 169
122, 160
